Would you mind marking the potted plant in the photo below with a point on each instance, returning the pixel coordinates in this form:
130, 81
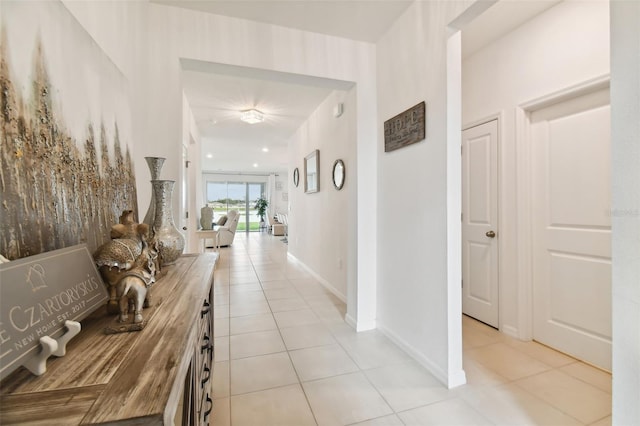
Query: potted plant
261, 206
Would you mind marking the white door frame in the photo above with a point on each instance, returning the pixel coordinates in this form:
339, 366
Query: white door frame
524, 193
501, 213
455, 374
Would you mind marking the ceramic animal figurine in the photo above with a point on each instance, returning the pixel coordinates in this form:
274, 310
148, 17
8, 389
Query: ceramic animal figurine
114, 258
132, 290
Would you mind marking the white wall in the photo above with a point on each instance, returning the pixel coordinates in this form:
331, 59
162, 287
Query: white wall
565, 45
413, 293
319, 222
625, 128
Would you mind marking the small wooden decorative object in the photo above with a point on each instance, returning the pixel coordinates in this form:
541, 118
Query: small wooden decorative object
405, 128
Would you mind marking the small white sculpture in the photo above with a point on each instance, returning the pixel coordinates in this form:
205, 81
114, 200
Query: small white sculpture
206, 217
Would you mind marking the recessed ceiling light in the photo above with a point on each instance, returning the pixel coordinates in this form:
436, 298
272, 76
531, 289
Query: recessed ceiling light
255, 164
252, 116
265, 149
209, 155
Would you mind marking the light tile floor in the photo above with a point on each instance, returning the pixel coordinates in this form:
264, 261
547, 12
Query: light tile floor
284, 356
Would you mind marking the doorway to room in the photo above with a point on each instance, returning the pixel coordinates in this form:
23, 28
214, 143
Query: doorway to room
553, 163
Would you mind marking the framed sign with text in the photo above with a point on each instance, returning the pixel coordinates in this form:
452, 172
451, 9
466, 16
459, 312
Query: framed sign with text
38, 294
406, 128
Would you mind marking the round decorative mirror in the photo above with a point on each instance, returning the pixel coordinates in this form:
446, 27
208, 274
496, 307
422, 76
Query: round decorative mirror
338, 174
296, 176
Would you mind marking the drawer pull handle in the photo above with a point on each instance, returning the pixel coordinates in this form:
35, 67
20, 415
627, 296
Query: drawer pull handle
206, 379
206, 413
205, 309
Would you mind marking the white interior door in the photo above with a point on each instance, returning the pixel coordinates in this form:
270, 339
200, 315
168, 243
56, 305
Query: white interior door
571, 202
480, 222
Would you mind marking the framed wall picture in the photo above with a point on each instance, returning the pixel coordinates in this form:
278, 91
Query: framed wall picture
312, 172
405, 128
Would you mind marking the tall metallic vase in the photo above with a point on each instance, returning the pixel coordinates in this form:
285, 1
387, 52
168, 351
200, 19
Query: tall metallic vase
170, 240
155, 166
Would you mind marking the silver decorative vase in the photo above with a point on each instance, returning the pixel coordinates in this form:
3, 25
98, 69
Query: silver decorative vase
170, 241
155, 166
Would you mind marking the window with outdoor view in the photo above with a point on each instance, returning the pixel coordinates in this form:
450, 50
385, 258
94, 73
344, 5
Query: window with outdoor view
240, 196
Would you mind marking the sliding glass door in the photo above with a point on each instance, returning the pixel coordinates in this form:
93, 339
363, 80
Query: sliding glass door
254, 191
240, 196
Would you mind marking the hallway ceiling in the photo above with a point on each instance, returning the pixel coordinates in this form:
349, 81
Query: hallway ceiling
364, 20
217, 93
216, 101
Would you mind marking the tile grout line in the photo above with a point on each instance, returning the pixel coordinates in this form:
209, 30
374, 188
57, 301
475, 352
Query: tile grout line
306, 397
286, 350
360, 370
335, 331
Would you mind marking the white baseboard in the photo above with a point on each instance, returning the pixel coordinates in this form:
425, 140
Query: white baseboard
326, 284
366, 325
362, 325
454, 379
357, 325
457, 378
510, 331
351, 321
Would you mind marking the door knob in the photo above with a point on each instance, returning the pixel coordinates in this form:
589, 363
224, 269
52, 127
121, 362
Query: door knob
490, 234
184, 228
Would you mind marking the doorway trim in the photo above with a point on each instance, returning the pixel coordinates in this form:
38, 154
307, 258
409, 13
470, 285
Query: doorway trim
455, 372
524, 192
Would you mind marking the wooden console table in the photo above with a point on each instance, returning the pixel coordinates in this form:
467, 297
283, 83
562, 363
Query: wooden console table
157, 376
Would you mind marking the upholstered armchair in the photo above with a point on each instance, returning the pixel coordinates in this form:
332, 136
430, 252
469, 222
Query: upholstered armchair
227, 232
270, 222
283, 220
277, 227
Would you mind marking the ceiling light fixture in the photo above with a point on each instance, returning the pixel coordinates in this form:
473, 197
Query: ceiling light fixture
209, 155
252, 116
265, 149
